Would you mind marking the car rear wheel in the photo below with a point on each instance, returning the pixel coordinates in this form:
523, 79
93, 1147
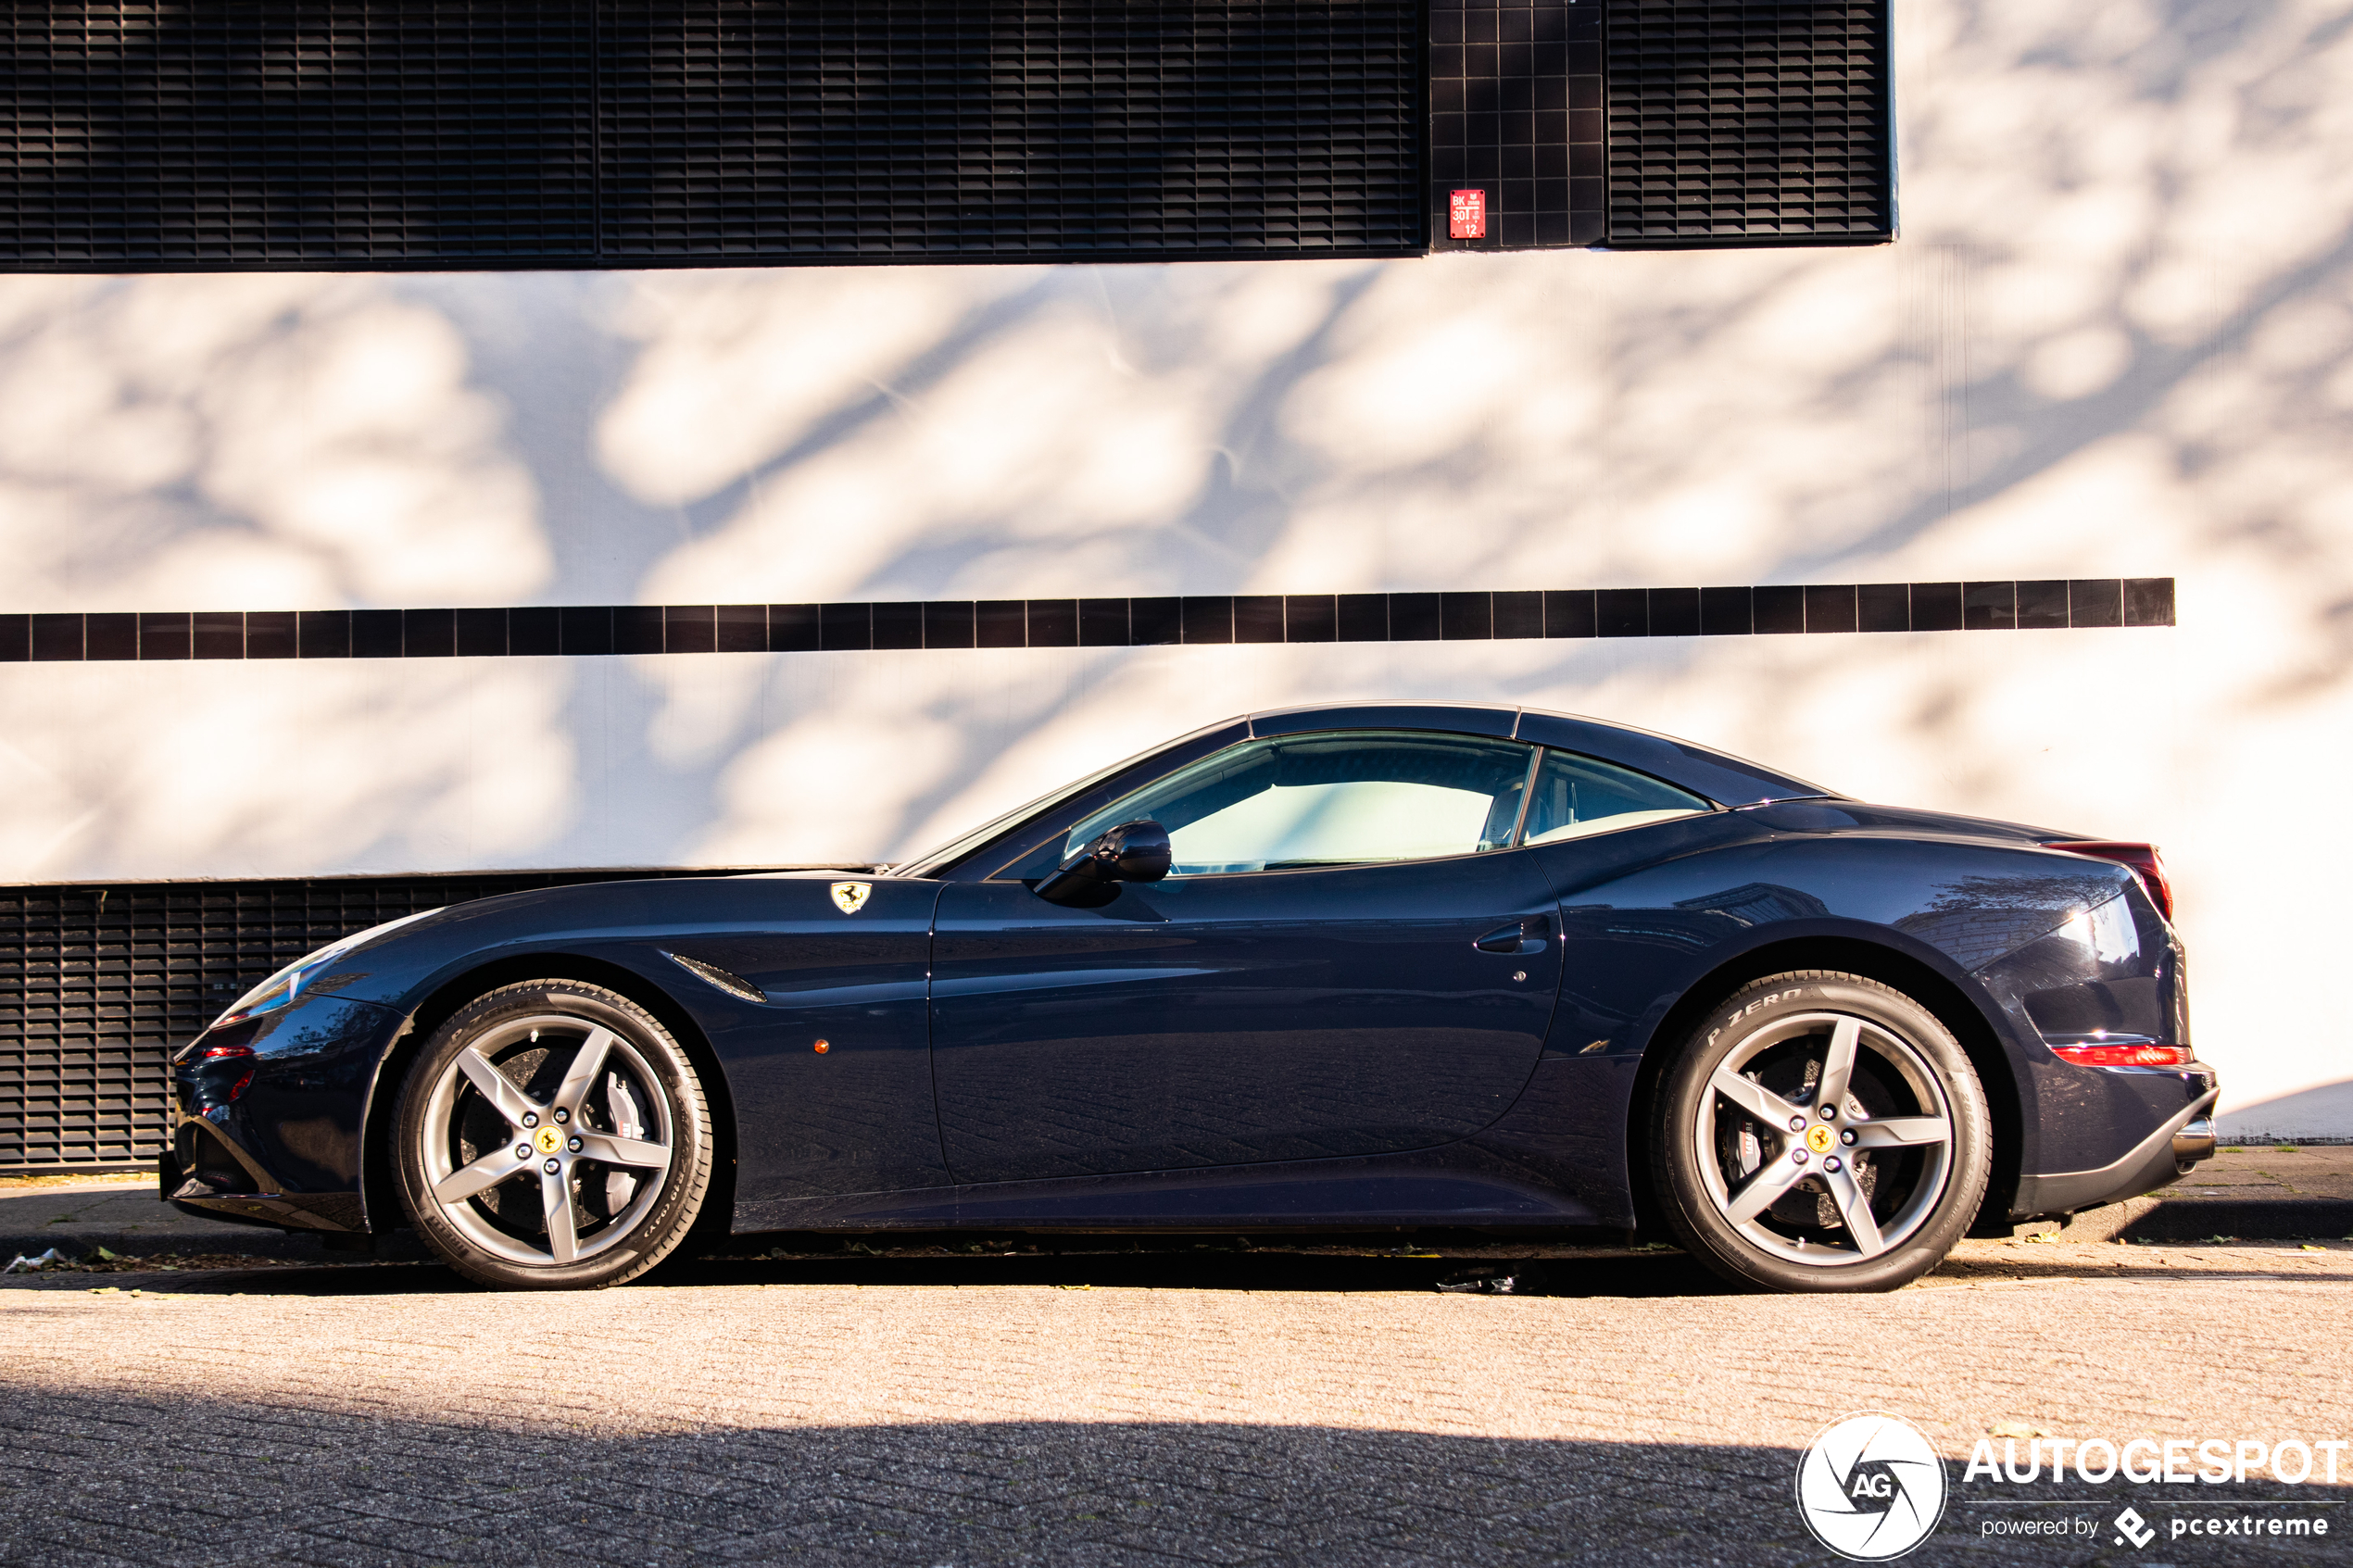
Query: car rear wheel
1821, 1132
553, 1135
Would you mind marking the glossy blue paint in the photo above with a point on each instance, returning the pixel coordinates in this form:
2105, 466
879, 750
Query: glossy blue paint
1302, 1048
2112, 972
292, 1108
1457, 1187
859, 1117
1236, 1020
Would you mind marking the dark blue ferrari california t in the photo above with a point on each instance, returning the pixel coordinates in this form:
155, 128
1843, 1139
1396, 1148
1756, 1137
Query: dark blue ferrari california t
1338, 969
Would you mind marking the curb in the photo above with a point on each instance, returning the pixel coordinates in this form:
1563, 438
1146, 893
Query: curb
2204, 1219
248, 1241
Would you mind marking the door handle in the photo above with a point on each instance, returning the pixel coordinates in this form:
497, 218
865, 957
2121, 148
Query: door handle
1520, 936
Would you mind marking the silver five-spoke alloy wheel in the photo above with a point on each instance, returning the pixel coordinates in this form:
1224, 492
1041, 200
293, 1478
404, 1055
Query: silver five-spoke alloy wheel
1811, 1173
593, 1151
553, 1133
1821, 1130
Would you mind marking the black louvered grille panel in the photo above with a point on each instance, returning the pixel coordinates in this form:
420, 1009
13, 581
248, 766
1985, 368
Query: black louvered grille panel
294, 134
944, 127
392, 133
97, 985
1758, 123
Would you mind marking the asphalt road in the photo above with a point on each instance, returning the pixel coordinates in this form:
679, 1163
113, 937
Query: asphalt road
1187, 1407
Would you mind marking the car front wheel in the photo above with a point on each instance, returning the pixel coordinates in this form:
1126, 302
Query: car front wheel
553, 1135
1821, 1132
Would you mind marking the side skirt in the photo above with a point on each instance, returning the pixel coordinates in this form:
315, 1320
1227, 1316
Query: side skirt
1414, 1191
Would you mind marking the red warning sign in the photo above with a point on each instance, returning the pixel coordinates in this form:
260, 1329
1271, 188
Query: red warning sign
1467, 215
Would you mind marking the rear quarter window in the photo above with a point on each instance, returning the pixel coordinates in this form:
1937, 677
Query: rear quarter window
1576, 795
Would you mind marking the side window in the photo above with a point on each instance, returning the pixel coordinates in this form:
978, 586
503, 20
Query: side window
1331, 799
1576, 795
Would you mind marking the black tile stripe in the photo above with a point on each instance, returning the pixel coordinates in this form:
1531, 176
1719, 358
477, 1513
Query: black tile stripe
639, 628
1777, 607
164, 636
1725, 612
1155, 622
270, 634
1519, 614
1673, 612
1569, 613
1831, 608
1622, 612
1414, 618
1884, 607
587, 630
1258, 617
1311, 617
538, 628
900, 625
997, 623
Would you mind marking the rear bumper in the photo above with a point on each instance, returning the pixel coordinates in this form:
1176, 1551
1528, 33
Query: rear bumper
2163, 1157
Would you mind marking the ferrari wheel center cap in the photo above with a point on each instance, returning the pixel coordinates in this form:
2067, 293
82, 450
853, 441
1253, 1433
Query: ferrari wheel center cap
1819, 1138
547, 1140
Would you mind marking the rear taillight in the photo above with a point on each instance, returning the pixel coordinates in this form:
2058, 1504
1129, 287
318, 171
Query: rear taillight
226, 1053
2124, 1056
2142, 858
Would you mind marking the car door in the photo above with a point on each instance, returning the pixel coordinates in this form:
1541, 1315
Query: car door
1348, 958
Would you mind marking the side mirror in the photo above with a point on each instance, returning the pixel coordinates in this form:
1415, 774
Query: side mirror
1130, 852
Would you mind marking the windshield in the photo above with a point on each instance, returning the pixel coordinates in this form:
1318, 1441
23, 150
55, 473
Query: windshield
933, 862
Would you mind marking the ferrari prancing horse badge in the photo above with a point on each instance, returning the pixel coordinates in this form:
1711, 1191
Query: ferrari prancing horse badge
851, 896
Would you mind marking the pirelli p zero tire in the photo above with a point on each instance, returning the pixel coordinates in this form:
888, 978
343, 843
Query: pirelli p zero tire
1820, 1132
553, 1135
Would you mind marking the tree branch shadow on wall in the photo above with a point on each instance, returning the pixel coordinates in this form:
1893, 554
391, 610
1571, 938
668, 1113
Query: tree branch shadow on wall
1261, 468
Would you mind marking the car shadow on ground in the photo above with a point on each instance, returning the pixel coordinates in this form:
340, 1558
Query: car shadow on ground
1660, 1272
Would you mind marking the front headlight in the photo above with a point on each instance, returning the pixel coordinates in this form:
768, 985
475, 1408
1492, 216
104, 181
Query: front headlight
286, 985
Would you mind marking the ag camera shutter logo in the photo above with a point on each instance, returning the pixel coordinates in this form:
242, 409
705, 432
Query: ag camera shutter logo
1870, 1487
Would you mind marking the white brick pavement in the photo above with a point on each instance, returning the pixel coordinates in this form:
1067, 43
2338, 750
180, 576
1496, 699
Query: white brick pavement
1216, 1409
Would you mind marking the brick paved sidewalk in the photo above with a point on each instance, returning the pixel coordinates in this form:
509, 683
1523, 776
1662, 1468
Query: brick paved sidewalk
1116, 1410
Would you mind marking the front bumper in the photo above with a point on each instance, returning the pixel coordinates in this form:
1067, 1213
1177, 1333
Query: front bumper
273, 1137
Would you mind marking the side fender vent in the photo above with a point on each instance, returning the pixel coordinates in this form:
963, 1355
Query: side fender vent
734, 984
